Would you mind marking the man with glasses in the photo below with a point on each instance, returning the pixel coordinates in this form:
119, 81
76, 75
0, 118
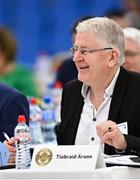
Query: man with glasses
132, 49
104, 95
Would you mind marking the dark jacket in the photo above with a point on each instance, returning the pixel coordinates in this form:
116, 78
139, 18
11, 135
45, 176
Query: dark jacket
125, 106
67, 71
12, 104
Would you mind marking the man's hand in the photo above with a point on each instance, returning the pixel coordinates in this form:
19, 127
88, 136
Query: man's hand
10, 145
110, 134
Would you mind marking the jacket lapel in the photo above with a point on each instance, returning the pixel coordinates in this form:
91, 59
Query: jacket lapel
118, 93
117, 98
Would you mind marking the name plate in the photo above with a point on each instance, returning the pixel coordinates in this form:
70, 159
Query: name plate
74, 158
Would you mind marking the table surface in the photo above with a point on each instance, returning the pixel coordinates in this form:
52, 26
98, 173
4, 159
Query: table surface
116, 172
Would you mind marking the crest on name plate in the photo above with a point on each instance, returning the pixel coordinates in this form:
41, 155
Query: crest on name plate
43, 157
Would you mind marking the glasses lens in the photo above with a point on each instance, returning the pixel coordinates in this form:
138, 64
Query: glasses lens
72, 51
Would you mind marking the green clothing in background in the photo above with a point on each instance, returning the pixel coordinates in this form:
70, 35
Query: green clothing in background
21, 79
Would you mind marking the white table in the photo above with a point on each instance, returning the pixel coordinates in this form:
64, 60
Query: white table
116, 172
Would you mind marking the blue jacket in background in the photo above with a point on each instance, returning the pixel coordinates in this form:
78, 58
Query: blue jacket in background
12, 104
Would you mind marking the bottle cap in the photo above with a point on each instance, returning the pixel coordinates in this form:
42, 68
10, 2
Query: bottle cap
58, 85
21, 118
47, 99
33, 101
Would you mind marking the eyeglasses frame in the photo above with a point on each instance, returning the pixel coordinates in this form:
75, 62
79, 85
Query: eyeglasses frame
72, 49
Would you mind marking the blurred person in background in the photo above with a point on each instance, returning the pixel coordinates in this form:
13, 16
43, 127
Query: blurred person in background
132, 49
67, 70
133, 12
10, 145
11, 72
119, 17
12, 104
44, 72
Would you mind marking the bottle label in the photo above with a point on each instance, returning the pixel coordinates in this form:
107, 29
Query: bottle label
48, 115
22, 137
35, 115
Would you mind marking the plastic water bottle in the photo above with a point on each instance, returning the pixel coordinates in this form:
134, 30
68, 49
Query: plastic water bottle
49, 90
57, 93
22, 137
35, 122
48, 121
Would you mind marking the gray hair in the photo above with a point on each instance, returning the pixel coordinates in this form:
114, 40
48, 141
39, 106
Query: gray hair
107, 30
132, 33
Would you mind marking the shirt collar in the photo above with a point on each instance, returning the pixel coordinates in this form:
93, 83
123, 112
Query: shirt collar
108, 91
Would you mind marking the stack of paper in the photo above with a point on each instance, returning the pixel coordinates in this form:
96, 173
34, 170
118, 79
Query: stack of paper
126, 160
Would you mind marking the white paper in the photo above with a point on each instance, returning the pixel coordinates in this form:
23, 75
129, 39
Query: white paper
123, 127
120, 160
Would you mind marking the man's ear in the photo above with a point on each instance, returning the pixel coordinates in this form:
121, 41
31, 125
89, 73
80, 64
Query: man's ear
114, 58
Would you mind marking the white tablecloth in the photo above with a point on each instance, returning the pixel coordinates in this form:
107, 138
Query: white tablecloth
116, 172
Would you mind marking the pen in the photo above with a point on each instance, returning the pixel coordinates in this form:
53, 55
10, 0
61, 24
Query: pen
6, 136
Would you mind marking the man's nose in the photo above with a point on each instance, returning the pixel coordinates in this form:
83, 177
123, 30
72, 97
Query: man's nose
77, 56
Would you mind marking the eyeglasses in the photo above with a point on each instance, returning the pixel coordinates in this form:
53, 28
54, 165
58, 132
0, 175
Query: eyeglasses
84, 51
131, 54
